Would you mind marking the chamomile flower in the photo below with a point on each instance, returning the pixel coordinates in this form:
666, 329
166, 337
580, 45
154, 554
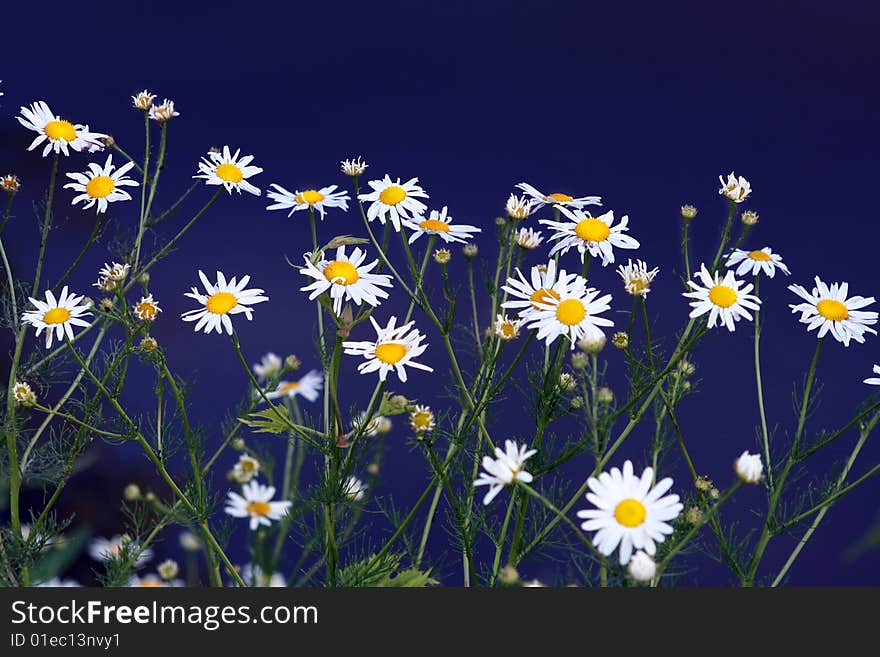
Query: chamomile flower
528, 238
317, 199
308, 386
828, 309
637, 278
143, 100
543, 285
57, 316
756, 262
597, 236
229, 170
116, 271
735, 188
59, 135
255, 502
23, 394
438, 223
539, 199
629, 511
222, 299
354, 167
269, 365
146, 309
101, 185
346, 278
874, 381
506, 468
394, 349
10, 183
726, 299
105, 549
163, 112
354, 489
574, 314
505, 328
421, 419
394, 200
245, 469
518, 207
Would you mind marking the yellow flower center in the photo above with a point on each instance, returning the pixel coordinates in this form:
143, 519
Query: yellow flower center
221, 303
638, 285
630, 513
146, 310
100, 186
60, 130
247, 466
310, 196
435, 225
759, 256
722, 296
592, 230
831, 309
150, 584
507, 330
571, 312
390, 352
56, 316
229, 173
559, 198
287, 387
542, 296
258, 508
392, 195
422, 421
341, 272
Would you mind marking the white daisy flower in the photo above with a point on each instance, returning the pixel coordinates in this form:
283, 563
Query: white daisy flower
394, 200
253, 575
505, 328
222, 299
229, 170
505, 469
575, 314
354, 489
528, 238
143, 100
146, 309
518, 207
828, 309
163, 112
115, 272
57, 316
748, 468
309, 387
438, 223
594, 235
874, 381
245, 469
58, 133
101, 185
629, 511
23, 394
421, 419
735, 188
394, 348
539, 199
727, 300
637, 278
319, 199
345, 278
105, 549
642, 568
269, 365
354, 167
755, 262
543, 285
256, 503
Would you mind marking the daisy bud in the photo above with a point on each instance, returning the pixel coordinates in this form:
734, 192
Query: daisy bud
688, 212
442, 256
131, 492
149, 344
642, 567
109, 142
106, 304
469, 250
703, 484
238, 444
508, 576
694, 516
144, 279
354, 167
168, 569
748, 468
150, 497
749, 217
592, 344
567, 382
373, 469
580, 360
500, 221
292, 363
620, 340
714, 493
189, 542
685, 367
605, 395
10, 183
23, 394
577, 402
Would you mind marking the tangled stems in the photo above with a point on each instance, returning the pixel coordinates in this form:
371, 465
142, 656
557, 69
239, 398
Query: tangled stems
154, 183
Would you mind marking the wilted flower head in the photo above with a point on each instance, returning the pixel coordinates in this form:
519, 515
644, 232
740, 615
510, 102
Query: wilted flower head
147, 309
10, 183
354, 167
637, 278
528, 238
163, 112
735, 188
518, 207
749, 218
143, 100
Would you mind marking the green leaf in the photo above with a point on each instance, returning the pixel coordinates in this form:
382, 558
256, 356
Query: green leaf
411, 578
271, 420
59, 555
382, 574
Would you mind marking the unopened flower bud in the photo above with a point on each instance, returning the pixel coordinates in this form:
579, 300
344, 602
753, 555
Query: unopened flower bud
749, 217
694, 516
469, 250
149, 344
688, 212
620, 340
109, 142
508, 576
442, 256
605, 395
579, 360
132, 492
592, 344
238, 444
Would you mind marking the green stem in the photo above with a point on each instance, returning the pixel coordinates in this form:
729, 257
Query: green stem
725, 236
765, 434
95, 230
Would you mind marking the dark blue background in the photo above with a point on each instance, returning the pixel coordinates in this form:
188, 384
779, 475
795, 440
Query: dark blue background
644, 105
